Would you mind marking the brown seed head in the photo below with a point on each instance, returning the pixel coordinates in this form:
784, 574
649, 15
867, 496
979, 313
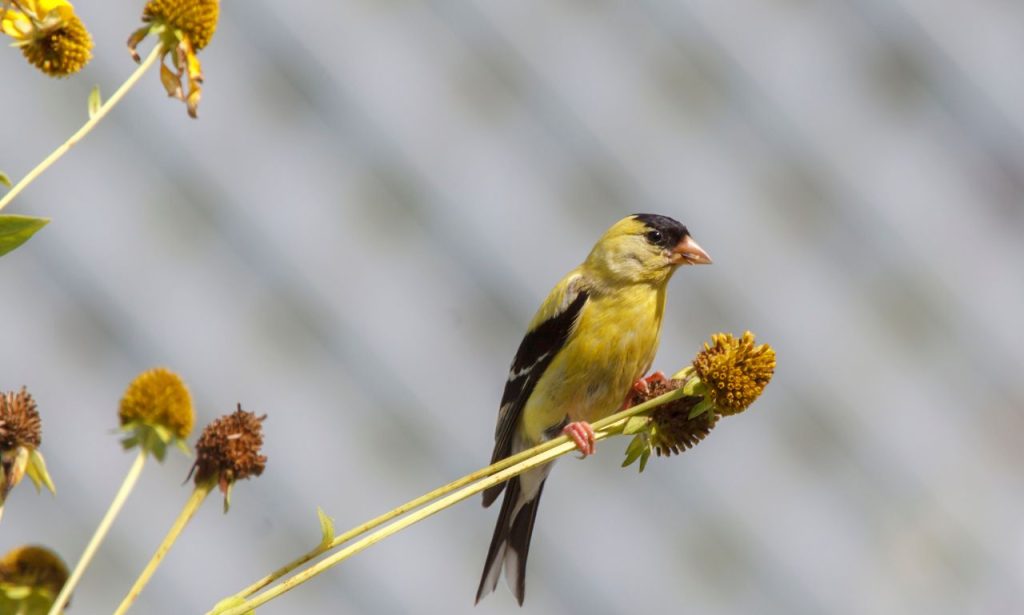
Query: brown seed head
19, 421
734, 370
229, 449
671, 432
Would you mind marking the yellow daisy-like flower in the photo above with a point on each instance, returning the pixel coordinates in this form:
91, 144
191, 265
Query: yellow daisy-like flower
30, 579
735, 371
184, 27
156, 410
52, 38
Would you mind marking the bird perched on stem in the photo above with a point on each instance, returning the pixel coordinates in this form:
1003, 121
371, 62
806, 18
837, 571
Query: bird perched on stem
590, 342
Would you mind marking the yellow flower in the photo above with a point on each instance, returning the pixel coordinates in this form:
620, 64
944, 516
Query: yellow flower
52, 38
30, 579
156, 410
184, 27
735, 371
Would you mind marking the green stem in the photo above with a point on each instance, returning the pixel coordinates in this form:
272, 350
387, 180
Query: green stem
85, 129
191, 506
101, 531
453, 493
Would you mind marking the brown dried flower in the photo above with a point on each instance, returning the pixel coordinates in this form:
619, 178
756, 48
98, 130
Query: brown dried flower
229, 449
20, 437
19, 421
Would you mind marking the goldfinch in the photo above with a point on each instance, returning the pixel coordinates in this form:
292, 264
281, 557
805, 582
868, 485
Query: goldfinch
593, 337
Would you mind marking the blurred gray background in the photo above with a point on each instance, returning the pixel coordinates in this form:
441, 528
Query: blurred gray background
378, 195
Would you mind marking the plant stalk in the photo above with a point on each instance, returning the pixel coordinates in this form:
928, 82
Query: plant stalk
191, 506
101, 532
86, 128
453, 493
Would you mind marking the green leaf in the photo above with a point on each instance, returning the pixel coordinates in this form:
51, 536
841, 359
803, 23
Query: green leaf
635, 424
95, 101
326, 527
5, 180
37, 472
16, 230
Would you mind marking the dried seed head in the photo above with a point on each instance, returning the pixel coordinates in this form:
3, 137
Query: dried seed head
30, 579
670, 430
195, 19
19, 421
158, 397
229, 449
734, 370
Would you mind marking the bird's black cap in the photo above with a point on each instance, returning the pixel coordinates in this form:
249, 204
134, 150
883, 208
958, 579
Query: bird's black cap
671, 230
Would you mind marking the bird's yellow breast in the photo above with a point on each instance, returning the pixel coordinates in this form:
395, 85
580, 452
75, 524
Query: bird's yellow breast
613, 345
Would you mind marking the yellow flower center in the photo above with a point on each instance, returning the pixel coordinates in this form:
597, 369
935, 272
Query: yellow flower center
195, 19
158, 398
734, 370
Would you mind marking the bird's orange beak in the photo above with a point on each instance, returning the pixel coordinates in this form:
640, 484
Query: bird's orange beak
687, 252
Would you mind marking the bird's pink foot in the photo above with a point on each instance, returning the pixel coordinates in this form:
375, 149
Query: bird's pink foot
583, 435
644, 384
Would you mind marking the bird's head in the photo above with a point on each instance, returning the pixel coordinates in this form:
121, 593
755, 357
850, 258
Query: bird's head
644, 248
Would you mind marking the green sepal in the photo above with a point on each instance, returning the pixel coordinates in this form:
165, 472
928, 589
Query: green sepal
183, 447
24, 600
16, 230
635, 424
695, 386
326, 527
684, 373
702, 406
230, 603
227, 496
95, 101
5, 180
639, 448
154, 439
36, 470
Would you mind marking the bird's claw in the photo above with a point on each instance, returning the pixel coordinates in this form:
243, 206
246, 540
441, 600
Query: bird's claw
583, 435
643, 385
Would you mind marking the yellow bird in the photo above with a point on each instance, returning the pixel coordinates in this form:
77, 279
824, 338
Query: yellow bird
593, 337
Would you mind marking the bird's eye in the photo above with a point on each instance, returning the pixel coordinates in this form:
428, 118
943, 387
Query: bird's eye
654, 236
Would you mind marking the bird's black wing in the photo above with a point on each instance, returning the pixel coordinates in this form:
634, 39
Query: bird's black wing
538, 348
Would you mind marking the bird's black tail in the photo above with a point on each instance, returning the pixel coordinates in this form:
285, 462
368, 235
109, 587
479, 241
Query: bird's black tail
511, 541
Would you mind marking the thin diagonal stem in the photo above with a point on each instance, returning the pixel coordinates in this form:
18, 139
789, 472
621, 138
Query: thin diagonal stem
101, 531
86, 128
452, 493
191, 506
